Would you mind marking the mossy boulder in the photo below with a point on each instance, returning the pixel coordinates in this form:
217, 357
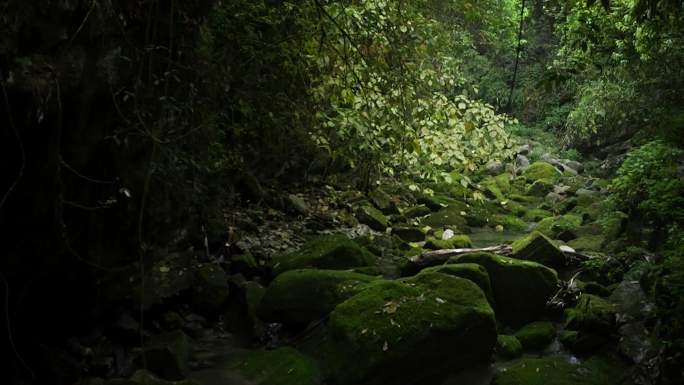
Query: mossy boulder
409, 234
407, 330
302, 296
588, 243
417, 211
521, 288
449, 217
536, 335
211, 288
541, 170
282, 366
496, 187
591, 314
509, 222
559, 370
539, 248
369, 215
472, 271
383, 201
582, 342
333, 251
563, 227
508, 346
540, 187
536, 215
613, 224
167, 355
455, 242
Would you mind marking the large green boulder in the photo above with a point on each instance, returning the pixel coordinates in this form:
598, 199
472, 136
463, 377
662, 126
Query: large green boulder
560, 370
333, 251
541, 170
508, 346
455, 242
383, 201
536, 215
508, 222
302, 296
472, 271
540, 187
448, 217
282, 366
417, 211
369, 215
536, 335
404, 331
564, 227
521, 288
539, 248
211, 288
588, 243
591, 314
409, 234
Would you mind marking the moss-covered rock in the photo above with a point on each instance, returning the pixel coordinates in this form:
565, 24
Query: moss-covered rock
521, 288
536, 335
472, 271
559, 370
417, 211
564, 227
369, 215
540, 187
282, 366
211, 288
536, 215
455, 242
508, 346
538, 248
302, 296
334, 251
541, 170
450, 217
508, 222
591, 314
383, 201
167, 355
613, 224
588, 243
582, 342
409, 234
402, 331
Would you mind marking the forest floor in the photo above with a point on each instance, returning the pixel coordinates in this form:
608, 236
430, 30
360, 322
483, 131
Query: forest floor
338, 286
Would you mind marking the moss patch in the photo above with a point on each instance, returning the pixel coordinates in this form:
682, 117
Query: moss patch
394, 331
471, 271
282, 366
455, 242
536, 335
369, 215
508, 222
333, 251
541, 170
564, 227
540, 187
591, 314
508, 346
449, 217
301, 296
588, 243
538, 248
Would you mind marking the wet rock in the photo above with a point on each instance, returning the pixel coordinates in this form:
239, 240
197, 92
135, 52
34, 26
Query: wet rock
282, 366
297, 297
470, 271
561, 370
521, 162
409, 234
591, 314
372, 217
448, 217
167, 355
406, 330
417, 211
383, 202
297, 204
521, 288
536, 335
540, 187
573, 164
538, 248
334, 251
455, 242
508, 346
523, 150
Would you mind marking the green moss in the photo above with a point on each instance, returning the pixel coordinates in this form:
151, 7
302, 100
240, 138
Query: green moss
449, 217
492, 188
538, 248
508, 222
541, 170
282, 366
558, 370
455, 242
582, 342
417, 211
471, 271
409, 234
383, 201
211, 288
536, 215
397, 330
536, 335
521, 288
540, 187
563, 227
168, 355
613, 224
588, 243
301, 296
372, 217
334, 251
508, 346
591, 314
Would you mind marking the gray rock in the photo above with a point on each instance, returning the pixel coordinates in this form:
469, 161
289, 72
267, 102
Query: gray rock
523, 150
521, 162
448, 234
298, 204
494, 167
573, 164
561, 189
554, 197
